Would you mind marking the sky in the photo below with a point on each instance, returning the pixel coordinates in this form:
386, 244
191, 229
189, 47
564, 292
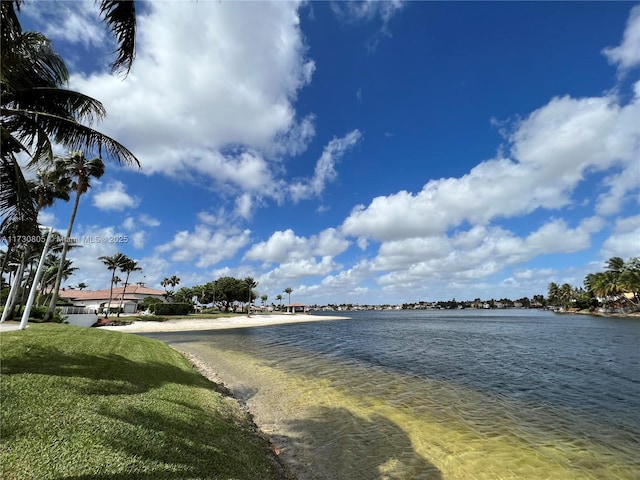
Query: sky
368, 153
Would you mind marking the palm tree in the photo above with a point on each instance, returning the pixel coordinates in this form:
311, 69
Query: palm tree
79, 170
38, 112
250, 283
288, 291
113, 263
52, 264
279, 298
554, 293
264, 299
82, 286
128, 267
172, 282
630, 280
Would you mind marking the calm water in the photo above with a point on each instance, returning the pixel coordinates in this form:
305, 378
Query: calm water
440, 394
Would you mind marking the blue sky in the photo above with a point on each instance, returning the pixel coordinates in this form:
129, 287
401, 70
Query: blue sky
373, 152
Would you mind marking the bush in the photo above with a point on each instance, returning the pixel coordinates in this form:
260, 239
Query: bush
37, 314
147, 303
171, 308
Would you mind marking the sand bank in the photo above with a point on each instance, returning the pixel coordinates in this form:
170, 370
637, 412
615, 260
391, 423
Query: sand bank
184, 325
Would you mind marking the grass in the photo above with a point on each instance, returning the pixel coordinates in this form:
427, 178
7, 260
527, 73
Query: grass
80, 404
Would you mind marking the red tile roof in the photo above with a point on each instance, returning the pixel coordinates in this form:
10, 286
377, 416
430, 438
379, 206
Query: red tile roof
132, 290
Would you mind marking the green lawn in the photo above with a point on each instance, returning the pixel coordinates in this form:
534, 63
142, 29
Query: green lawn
80, 403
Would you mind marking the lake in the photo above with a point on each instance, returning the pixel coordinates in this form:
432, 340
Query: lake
456, 394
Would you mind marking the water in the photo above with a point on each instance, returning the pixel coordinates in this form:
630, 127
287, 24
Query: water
463, 395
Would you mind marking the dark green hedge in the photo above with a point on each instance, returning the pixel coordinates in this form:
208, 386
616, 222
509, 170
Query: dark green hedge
171, 308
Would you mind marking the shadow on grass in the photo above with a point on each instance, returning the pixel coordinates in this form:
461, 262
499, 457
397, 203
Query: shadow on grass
196, 445
114, 374
117, 375
343, 445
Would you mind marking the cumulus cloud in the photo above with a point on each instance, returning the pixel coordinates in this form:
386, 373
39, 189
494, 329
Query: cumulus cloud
627, 55
625, 240
113, 196
286, 247
551, 151
189, 98
203, 246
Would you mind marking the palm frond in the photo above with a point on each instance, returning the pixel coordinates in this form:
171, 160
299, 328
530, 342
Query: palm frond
39, 126
17, 206
28, 60
56, 101
120, 16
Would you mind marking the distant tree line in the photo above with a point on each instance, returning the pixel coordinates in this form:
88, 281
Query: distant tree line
616, 288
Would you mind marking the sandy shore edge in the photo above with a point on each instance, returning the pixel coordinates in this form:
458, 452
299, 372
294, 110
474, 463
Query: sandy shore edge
221, 323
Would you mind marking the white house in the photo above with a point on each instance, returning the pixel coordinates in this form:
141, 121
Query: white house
98, 299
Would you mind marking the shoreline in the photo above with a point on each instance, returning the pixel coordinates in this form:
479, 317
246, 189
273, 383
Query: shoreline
219, 323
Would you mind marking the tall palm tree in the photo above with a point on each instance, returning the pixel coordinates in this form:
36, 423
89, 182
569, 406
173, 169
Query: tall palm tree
553, 294
79, 170
288, 291
279, 298
170, 282
38, 112
250, 284
113, 263
129, 266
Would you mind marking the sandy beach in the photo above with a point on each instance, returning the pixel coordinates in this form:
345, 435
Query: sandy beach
184, 325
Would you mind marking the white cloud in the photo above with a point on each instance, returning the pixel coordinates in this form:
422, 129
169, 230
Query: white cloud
47, 218
552, 150
367, 10
325, 167
148, 220
113, 197
139, 239
129, 223
627, 54
220, 103
76, 23
625, 240
286, 247
203, 246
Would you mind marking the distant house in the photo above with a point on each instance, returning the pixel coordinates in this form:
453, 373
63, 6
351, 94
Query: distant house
98, 299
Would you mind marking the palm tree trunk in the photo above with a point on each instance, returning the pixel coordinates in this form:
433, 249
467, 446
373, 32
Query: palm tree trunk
63, 256
18, 278
113, 275
124, 289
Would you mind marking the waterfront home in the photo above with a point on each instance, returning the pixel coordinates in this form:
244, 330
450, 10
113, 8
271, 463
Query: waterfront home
98, 299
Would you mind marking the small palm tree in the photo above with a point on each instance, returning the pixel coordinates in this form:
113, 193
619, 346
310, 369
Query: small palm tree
113, 263
279, 298
128, 267
79, 170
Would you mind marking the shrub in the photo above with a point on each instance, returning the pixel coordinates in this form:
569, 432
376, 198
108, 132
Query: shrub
171, 308
147, 303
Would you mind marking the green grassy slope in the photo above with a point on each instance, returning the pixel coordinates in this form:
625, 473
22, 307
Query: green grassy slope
80, 403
